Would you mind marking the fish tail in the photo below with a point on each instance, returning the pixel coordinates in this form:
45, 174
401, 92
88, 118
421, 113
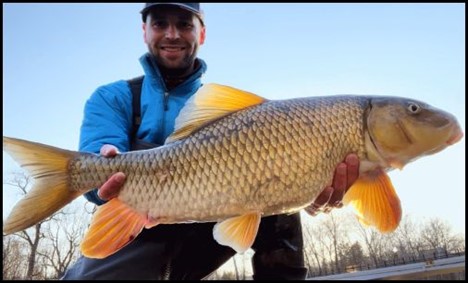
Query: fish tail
50, 191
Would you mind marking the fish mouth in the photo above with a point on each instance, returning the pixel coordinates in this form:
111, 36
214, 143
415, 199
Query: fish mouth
456, 137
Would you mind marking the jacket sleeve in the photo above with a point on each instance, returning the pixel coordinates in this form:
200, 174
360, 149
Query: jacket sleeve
106, 120
279, 249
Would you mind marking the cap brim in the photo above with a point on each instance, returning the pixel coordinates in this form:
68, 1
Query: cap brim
185, 7
198, 13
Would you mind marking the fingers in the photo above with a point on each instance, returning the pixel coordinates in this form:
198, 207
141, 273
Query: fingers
312, 210
324, 196
346, 173
112, 186
317, 206
340, 182
352, 162
109, 150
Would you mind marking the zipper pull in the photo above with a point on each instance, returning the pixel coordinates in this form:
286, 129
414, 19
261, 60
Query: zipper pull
166, 96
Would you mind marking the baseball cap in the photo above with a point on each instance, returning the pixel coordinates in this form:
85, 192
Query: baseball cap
192, 7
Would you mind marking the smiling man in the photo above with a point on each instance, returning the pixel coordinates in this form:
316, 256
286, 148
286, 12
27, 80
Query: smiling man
174, 39
174, 33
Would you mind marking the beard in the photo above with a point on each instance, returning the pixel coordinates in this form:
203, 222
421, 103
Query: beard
184, 68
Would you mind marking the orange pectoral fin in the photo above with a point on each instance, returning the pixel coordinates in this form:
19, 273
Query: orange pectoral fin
375, 201
113, 226
238, 232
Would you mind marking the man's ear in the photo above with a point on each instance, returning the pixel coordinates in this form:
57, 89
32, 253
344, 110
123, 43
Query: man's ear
202, 35
144, 33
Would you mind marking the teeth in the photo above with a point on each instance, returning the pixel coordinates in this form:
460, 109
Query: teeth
172, 48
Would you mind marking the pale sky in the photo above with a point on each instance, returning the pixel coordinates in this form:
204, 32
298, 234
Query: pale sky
56, 55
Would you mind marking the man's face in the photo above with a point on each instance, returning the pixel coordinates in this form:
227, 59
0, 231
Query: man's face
173, 36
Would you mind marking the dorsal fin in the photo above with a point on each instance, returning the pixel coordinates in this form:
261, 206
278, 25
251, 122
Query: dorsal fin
209, 103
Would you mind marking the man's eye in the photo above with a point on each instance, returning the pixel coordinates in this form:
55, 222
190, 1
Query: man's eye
186, 25
159, 24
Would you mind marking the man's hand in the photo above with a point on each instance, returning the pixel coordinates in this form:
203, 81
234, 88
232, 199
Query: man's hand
110, 189
345, 174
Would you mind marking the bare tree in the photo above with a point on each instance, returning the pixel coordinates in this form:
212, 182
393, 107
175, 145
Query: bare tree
437, 234
407, 239
63, 235
51, 244
14, 266
378, 245
327, 241
335, 225
314, 247
33, 235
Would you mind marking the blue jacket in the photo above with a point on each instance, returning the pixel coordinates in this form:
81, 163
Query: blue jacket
108, 112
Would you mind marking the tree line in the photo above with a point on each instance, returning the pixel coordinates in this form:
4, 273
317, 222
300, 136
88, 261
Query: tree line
336, 243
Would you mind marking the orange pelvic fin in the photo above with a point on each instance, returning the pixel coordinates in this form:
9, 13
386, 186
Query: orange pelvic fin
114, 225
375, 201
238, 232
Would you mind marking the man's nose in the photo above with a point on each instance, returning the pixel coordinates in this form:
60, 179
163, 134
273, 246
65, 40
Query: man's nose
172, 32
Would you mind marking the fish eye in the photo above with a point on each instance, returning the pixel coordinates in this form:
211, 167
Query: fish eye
414, 108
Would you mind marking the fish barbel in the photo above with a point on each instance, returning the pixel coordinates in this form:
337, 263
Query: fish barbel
235, 157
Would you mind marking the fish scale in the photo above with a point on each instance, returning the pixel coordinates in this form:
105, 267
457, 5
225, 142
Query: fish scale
268, 153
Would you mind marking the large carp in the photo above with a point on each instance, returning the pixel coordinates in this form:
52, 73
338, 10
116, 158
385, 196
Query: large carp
235, 157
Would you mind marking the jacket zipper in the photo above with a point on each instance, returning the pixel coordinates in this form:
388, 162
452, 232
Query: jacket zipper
166, 107
166, 98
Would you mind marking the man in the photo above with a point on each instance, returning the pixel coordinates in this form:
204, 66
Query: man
174, 32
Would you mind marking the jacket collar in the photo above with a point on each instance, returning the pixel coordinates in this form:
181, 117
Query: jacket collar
152, 71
